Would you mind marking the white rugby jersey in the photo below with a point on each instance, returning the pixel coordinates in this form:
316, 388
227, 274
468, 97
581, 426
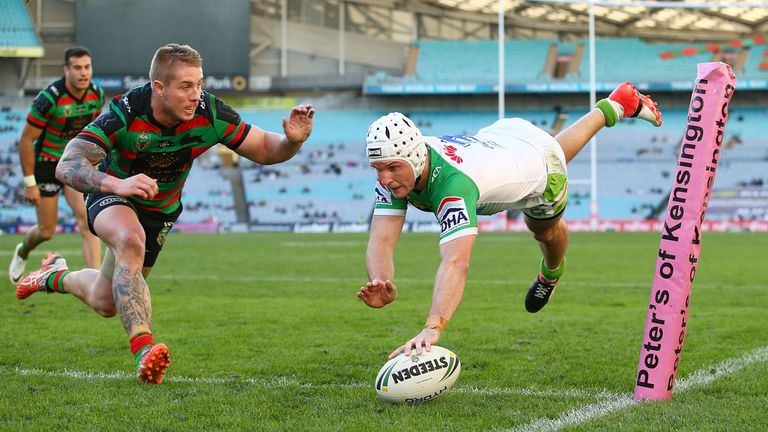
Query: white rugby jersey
504, 166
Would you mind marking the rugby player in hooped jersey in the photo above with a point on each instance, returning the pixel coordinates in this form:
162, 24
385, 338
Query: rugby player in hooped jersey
510, 164
59, 112
145, 145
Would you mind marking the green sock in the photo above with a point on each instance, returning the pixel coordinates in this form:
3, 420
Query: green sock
55, 282
552, 275
23, 251
140, 353
611, 112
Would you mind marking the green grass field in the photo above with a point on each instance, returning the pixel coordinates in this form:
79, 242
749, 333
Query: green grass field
266, 333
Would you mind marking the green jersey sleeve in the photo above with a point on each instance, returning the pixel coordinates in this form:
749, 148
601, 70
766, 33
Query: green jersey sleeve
386, 204
454, 201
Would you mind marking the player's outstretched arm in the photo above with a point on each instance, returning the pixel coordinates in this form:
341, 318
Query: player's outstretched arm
446, 294
76, 168
269, 148
379, 260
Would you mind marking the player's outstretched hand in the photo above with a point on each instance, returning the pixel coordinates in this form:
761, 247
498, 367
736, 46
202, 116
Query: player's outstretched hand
298, 126
139, 186
422, 341
378, 293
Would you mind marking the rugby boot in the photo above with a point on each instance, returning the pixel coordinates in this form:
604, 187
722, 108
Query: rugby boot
152, 364
36, 281
626, 101
539, 293
16, 269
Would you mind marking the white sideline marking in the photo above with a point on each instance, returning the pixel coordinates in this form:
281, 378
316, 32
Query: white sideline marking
287, 382
697, 379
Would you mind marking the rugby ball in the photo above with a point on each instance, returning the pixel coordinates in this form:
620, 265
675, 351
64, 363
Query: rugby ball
418, 378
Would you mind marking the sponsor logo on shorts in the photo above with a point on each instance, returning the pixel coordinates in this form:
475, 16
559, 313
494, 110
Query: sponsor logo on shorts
374, 152
49, 187
111, 200
164, 233
452, 213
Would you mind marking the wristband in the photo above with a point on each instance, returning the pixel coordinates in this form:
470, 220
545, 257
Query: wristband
29, 181
435, 322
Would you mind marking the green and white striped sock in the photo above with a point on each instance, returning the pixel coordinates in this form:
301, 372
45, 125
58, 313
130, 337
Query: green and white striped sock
612, 111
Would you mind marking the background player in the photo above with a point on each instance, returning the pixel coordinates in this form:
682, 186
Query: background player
59, 112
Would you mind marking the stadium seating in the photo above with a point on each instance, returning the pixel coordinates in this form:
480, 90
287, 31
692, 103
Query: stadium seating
330, 180
16, 29
476, 62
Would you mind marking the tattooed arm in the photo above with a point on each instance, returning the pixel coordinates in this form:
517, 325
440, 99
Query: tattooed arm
76, 169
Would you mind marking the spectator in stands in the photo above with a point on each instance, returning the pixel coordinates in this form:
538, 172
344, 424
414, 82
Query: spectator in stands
59, 112
148, 139
510, 164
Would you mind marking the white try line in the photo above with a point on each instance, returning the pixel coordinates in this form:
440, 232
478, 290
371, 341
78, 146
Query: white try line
287, 382
617, 403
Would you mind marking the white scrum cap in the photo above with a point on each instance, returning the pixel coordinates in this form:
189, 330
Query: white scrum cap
394, 137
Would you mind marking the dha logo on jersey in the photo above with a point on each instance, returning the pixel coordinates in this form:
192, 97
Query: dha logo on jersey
452, 213
383, 196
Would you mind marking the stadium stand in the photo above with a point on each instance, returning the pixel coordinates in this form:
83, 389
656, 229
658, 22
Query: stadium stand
329, 180
16, 29
475, 61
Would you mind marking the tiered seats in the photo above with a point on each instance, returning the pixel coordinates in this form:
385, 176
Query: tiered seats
617, 59
330, 180
16, 29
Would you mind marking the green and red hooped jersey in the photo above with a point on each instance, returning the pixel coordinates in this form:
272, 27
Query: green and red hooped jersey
136, 143
61, 116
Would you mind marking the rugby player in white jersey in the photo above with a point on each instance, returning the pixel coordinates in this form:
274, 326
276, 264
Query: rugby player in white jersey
510, 164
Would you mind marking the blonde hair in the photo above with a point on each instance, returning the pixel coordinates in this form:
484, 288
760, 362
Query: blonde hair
169, 54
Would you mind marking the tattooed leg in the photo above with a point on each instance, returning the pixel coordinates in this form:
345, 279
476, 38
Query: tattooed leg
132, 299
119, 227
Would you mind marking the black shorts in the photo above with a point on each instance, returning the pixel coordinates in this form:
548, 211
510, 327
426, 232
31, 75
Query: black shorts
156, 225
45, 176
